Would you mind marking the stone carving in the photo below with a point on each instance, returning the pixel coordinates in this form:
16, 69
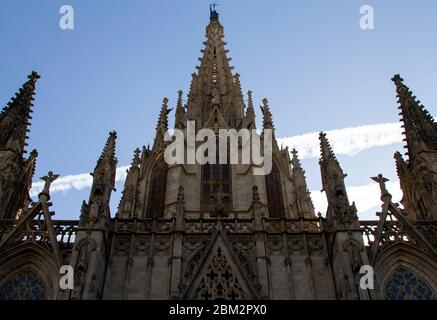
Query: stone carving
315, 246
142, 246
275, 246
162, 246
295, 245
121, 245
219, 281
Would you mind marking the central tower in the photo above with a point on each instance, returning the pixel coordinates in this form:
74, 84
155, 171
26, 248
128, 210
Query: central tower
215, 101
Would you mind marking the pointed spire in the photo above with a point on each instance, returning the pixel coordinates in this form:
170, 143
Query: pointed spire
162, 124
420, 127
238, 90
126, 206
326, 152
180, 115
137, 159
14, 119
334, 185
214, 80
104, 172
267, 115
250, 112
304, 202
103, 181
108, 153
295, 160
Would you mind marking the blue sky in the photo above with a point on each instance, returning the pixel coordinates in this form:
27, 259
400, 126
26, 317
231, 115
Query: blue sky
318, 69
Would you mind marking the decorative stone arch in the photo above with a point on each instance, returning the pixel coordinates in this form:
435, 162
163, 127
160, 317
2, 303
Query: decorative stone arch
352, 242
157, 174
84, 242
410, 258
31, 258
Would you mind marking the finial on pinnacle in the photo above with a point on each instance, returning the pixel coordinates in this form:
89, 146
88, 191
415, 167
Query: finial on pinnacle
214, 16
397, 79
34, 76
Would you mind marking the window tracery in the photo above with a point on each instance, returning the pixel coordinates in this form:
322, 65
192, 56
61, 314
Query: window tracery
219, 281
405, 285
24, 286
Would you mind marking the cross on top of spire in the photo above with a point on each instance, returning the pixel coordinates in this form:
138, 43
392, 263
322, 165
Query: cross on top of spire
214, 16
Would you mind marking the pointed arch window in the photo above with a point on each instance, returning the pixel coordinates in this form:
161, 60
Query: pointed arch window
216, 185
24, 286
406, 285
158, 186
274, 193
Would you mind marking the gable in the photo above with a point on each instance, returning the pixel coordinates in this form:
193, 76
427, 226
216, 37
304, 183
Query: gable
219, 276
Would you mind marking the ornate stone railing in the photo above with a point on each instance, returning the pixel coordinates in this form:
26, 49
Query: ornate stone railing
369, 231
394, 232
208, 225
65, 230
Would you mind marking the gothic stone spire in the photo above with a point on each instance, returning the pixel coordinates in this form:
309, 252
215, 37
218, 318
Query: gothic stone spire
417, 175
326, 153
334, 186
162, 124
420, 127
180, 114
304, 203
16, 171
14, 119
103, 181
126, 208
249, 120
267, 115
214, 88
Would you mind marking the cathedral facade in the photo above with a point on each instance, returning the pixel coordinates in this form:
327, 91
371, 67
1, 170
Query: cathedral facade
218, 231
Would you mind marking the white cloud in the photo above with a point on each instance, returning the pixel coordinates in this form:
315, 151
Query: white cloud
366, 197
76, 182
348, 141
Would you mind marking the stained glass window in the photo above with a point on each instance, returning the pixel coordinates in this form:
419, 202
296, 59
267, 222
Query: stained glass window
405, 285
25, 286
